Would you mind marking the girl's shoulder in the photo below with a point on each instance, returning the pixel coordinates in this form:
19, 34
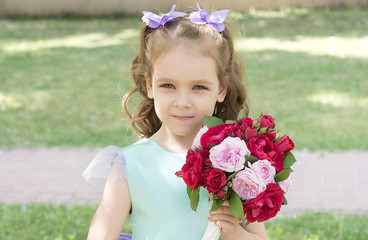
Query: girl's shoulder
143, 148
140, 144
147, 148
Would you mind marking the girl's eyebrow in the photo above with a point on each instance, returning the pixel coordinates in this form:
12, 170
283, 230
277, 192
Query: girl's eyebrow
199, 81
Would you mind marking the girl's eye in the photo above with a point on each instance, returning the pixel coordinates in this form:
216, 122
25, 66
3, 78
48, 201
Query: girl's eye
200, 87
167, 85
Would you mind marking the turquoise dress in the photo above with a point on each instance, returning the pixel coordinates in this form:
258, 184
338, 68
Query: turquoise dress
160, 204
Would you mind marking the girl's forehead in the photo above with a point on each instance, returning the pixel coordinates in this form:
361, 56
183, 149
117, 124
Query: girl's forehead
185, 65
193, 48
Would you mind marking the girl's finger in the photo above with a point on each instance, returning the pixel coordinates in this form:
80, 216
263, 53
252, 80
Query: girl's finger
223, 217
226, 227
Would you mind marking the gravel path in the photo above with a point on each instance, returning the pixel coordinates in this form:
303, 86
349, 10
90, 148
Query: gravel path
322, 181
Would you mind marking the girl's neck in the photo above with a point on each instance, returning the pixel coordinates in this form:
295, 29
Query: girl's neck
173, 143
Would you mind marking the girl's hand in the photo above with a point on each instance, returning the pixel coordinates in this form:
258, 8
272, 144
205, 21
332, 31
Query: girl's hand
230, 227
223, 218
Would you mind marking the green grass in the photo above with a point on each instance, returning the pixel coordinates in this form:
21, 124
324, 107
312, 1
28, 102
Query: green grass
46, 221
59, 222
61, 80
318, 226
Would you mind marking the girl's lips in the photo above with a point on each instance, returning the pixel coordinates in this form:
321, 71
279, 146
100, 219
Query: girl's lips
182, 118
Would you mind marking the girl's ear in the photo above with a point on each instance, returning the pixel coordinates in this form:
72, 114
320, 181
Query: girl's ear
148, 85
222, 94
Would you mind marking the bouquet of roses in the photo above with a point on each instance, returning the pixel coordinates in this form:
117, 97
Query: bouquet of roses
242, 161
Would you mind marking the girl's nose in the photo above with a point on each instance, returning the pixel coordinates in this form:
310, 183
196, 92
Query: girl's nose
183, 100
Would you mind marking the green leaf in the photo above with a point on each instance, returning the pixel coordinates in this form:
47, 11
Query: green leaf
251, 159
211, 121
217, 203
289, 160
194, 199
231, 176
189, 191
285, 201
262, 130
230, 121
284, 174
235, 205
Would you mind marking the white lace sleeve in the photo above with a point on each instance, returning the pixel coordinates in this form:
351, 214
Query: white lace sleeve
108, 163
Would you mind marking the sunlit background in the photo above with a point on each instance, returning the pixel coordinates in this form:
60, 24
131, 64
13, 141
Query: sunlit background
62, 79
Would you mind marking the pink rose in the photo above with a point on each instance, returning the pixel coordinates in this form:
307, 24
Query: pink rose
247, 184
267, 122
197, 139
265, 205
285, 185
216, 179
264, 170
215, 135
229, 155
284, 144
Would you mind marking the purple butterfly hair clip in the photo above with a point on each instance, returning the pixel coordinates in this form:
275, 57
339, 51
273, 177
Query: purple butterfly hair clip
154, 21
216, 19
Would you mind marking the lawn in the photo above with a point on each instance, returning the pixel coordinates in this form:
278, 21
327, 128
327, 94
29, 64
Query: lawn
61, 222
62, 79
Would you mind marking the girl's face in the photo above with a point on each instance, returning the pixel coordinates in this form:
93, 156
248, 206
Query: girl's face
185, 88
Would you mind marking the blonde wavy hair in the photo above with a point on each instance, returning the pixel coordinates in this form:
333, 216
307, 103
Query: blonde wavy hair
219, 46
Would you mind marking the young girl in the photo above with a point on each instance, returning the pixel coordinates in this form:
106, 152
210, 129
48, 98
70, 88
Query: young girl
186, 68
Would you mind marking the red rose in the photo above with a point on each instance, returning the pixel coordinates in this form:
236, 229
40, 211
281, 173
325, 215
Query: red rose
246, 126
221, 193
284, 144
260, 146
204, 176
245, 123
215, 135
265, 205
216, 179
270, 136
267, 122
263, 148
193, 168
277, 160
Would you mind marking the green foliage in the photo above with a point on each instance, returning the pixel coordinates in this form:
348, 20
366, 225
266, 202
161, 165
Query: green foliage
235, 205
289, 160
217, 203
251, 159
46, 221
283, 175
61, 222
194, 197
211, 121
61, 80
318, 226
